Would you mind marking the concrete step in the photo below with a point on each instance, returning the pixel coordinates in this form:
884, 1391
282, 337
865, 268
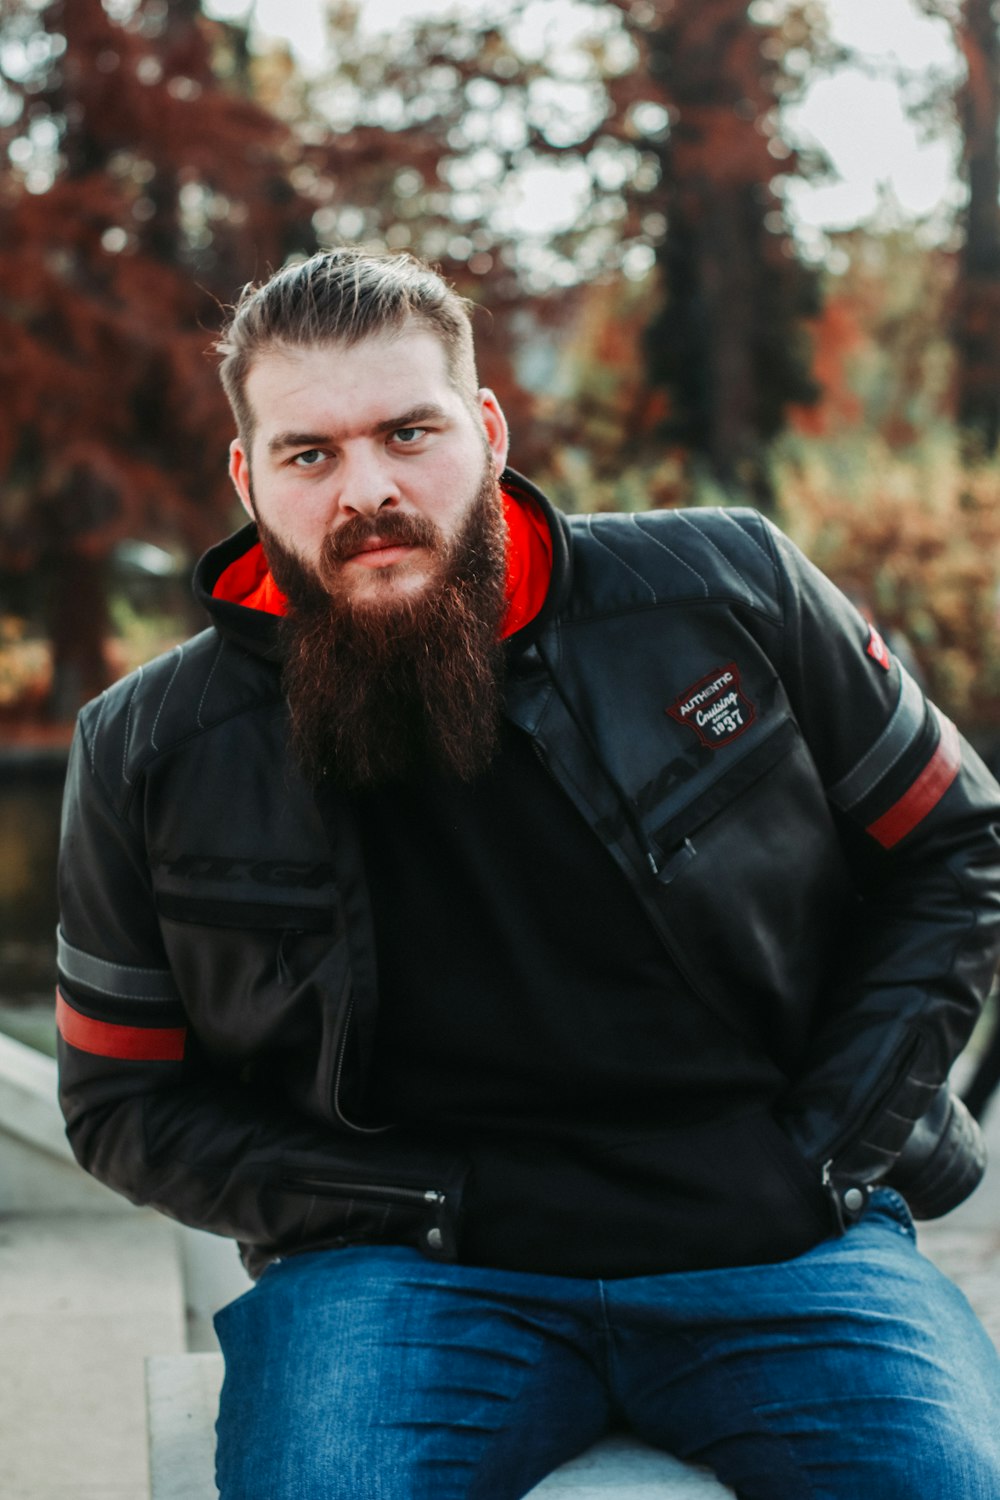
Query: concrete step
622, 1468
971, 1257
39, 1175
183, 1395
84, 1299
89, 1286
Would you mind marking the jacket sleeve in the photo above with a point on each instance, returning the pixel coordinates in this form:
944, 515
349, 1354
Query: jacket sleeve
918, 815
154, 1116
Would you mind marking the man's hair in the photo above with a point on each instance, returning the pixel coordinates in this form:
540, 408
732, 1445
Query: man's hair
342, 296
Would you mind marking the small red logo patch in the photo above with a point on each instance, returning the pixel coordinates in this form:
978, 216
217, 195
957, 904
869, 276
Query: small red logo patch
877, 649
715, 707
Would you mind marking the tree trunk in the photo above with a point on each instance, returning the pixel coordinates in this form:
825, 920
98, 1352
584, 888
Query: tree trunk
78, 627
727, 345
977, 313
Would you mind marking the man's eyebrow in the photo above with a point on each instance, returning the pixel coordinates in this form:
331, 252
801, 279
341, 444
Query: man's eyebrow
283, 440
426, 411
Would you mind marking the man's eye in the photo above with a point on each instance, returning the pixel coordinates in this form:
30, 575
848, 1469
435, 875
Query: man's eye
309, 459
409, 435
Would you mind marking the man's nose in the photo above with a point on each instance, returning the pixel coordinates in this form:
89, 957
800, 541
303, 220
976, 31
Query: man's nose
367, 483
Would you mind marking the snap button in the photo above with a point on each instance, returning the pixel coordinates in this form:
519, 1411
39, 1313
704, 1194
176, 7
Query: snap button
435, 1239
854, 1200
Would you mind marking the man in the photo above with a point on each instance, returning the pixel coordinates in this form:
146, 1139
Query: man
542, 944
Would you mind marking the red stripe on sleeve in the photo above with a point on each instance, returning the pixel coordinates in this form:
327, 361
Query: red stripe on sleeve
925, 793
103, 1039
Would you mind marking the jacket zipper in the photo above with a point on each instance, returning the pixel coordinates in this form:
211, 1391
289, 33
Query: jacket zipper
681, 856
438, 1240
341, 1052
632, 820
366, 1190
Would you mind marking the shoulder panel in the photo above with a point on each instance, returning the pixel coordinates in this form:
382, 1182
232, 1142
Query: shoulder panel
184, 692
626, 561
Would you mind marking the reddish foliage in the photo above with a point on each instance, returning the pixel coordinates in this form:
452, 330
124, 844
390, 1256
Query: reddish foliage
164, 190
837, 335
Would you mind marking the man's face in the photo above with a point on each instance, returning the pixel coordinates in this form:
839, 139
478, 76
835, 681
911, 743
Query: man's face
365, 461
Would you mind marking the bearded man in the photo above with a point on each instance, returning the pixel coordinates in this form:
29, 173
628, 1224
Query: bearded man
542, 944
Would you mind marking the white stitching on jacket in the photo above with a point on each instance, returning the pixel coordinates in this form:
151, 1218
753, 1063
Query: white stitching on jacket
208, 679
601, 543
152, 737
128, 726
671, 553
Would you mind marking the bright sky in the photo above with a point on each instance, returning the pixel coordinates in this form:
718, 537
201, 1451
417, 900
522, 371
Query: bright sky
860, 121
880, 161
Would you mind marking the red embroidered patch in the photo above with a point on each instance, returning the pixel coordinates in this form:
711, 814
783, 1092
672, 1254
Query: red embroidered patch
877, 649
715, 707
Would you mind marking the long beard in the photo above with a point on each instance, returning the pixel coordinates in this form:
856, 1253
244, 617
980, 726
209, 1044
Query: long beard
377, 689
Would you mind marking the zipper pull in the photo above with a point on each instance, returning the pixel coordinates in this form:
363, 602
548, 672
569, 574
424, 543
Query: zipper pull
673, 864
438, 1239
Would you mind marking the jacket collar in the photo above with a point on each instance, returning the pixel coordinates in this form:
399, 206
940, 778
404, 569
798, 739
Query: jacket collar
248, 610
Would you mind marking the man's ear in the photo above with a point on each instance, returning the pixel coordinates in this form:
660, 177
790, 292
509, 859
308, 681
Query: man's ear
239, 473
495, 424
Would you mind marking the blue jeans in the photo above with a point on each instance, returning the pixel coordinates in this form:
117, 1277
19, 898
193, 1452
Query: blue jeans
854, 1372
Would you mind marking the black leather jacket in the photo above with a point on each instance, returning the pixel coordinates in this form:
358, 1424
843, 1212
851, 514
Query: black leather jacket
812, 841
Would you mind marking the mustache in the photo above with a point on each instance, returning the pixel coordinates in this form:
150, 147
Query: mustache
392, 527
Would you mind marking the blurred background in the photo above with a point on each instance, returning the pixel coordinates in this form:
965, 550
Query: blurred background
723, 252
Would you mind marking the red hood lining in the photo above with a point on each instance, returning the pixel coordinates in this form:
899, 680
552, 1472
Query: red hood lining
248, 582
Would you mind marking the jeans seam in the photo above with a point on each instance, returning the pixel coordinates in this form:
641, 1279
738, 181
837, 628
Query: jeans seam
611, 1353
894, 1205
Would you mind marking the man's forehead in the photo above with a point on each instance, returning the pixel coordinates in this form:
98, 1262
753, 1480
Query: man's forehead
411, 344
376, 373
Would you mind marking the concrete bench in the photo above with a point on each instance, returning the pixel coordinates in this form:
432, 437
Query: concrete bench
183, 1394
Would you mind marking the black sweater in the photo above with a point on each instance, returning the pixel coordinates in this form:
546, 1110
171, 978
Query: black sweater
529, 1010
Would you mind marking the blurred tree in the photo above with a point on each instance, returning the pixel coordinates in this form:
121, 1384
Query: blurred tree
729, 344
917, 545
143, 185
977, 313
976, 305
882, 352
873, 481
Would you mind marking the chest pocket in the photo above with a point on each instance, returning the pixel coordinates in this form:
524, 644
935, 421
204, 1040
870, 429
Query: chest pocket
755, 892
675, 838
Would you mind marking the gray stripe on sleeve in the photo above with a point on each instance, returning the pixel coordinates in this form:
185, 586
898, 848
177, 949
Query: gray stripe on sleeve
122, 981
897, 736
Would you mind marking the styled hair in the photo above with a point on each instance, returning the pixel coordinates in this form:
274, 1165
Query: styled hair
342, 296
